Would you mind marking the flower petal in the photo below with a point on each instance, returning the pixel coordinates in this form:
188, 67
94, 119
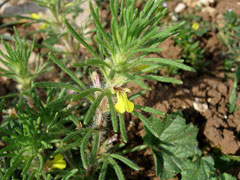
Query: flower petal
129, 106
59, 165
58, 162
120, 106
57, 158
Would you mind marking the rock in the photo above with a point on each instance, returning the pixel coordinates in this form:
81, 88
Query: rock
211, 11
174, 17
180, 7
191, 3
200, 107
22, 9
206, 2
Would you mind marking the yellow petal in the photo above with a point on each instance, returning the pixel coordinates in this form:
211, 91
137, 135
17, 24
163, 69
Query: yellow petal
57, 158
123, 103
59, 165
120, 107
126, 90
44, 26
36, 16
58, 162
195, 26
129, 106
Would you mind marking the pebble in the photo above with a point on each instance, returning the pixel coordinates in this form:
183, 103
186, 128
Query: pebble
180, 7
206, 2
200, 107
174, 17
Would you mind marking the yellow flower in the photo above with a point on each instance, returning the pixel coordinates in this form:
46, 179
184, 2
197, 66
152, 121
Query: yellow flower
36, 16
58, 162
44, 26
123, 103
195, 26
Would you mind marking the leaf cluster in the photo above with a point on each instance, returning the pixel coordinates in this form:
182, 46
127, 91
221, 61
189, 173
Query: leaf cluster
230, 36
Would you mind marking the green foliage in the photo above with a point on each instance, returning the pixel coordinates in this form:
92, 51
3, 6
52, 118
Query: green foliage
172, 142
175, 150
201, 168
188, 40
28, 134
230, 36
16, 63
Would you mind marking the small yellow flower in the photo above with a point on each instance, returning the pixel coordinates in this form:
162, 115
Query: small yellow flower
44, 26
36, 16
58, 162
123, 103
195, 26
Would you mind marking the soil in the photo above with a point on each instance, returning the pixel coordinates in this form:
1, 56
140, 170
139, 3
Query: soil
202, 98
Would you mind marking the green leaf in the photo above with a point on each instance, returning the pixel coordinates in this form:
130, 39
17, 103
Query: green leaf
148, 50
166, 62
99, 26
122, 127
147, 123
137, 80
7, 131
94, 148
226, 176
69, 174
91, 62
16, 161
125, 161
60, 100
103, 170
172, 141
93, 108
84, 148
2, 105
150, 110
162, 79
66, 70
80, 40
85, 93
9, 147
74, 134
56, 85
41, 162
136, 95
233, 157
233, 96
112, 74
200, 169
117, 168
26, 167
113, 113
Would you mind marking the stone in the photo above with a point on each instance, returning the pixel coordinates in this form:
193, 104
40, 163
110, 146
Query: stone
180, 7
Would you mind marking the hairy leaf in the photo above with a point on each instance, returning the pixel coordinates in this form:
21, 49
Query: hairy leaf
200, 169
172, 141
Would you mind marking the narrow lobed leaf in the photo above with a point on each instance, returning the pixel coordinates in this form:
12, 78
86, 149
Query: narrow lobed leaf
83, 148
93, 108
125, 161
